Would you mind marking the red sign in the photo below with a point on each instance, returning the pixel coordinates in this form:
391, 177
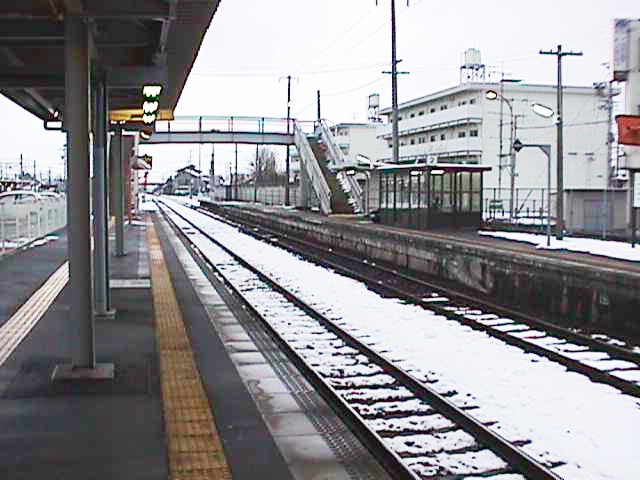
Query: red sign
628, 129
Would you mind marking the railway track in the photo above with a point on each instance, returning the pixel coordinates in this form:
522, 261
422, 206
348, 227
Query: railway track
417, 428
600, 361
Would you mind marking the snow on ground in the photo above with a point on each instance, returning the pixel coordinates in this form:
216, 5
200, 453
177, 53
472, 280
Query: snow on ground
591, 427
605, 248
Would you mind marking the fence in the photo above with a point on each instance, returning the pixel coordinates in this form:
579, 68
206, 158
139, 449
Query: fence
21, 224
267, 194
530, 205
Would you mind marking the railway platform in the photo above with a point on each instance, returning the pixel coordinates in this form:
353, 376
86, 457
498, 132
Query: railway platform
197, 393
569, 288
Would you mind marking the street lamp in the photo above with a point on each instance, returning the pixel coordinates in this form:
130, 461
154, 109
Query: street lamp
494, 95
542, 110
545, 112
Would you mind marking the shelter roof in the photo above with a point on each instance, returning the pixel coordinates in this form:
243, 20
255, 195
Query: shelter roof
134, 42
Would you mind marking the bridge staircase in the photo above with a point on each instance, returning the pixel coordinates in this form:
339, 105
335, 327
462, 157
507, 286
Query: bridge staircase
314, 186
339, 199
347, 188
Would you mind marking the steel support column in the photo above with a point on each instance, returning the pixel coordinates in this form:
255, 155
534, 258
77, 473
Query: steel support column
81, 332
118, 184
99, 202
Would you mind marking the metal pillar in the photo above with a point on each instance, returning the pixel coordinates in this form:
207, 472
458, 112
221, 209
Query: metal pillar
118, 185
288, 160
81, 328
77, 122
99, 203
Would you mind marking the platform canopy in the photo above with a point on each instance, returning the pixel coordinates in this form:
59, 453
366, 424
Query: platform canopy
135, 42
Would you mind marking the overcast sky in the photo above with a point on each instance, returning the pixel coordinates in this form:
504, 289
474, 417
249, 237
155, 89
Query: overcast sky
341, 47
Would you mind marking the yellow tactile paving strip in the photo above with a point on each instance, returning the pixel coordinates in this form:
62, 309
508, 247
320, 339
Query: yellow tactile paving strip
195, 451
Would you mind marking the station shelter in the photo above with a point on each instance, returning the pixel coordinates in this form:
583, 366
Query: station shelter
425, 197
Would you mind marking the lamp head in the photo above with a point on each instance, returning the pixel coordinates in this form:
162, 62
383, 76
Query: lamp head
542, 110
491, 95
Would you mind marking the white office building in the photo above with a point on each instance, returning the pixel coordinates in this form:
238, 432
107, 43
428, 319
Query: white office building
460, 125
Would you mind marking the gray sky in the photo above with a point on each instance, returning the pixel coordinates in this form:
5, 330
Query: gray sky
340, 47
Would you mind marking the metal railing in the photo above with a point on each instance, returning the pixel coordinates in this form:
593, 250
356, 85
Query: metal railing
224, 124
312, 169
348, 183
530, 205
22, 224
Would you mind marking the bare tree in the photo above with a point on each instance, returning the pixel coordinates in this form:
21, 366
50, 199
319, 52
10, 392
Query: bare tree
265, 169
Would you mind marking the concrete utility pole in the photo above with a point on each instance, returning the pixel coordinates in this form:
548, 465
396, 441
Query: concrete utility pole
319, 115
560, 159
255, 176
394, 85
236, 175
288, 162
212, 171
610, 139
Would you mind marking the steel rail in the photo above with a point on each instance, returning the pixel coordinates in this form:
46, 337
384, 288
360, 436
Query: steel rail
513, 455
517, 317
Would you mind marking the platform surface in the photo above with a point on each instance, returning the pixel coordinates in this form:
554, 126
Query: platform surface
269, 421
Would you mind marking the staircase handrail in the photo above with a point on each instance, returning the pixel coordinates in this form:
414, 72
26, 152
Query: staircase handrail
313, 170
337, 158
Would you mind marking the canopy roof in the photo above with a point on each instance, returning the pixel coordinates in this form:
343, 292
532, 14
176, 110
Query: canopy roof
135, 42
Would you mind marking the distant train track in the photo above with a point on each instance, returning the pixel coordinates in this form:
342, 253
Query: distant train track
407, 420
600, 361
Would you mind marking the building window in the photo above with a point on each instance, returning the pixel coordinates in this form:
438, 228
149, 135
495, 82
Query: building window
433, 110
442, 136
473, 133
472, 101
412, 115
443, 107
399, 117
462, 134
420, 113
413, 141
433, 138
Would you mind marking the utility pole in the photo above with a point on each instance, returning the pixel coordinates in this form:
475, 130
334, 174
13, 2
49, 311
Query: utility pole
236, 182
255, 176
288, 162
560, 159
501, 124
610, 139
21, 168
394, 85
319, 115
212, 172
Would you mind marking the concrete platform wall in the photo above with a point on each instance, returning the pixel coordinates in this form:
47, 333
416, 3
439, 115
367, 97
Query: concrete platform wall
560, 290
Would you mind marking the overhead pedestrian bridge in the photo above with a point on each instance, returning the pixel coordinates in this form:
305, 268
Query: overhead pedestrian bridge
223, 129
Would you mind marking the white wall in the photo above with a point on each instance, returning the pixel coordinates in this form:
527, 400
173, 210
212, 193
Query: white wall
585, 135
360, 139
